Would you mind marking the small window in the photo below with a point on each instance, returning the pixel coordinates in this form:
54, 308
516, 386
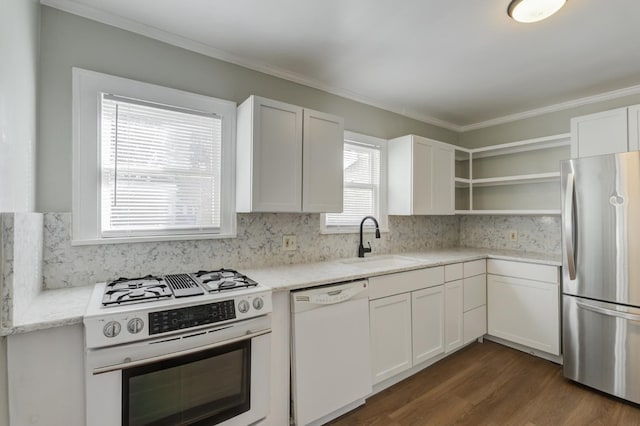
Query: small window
160, 165
364, 185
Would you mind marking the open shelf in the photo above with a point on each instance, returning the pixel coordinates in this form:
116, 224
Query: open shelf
520, 177
563, 139
511, 212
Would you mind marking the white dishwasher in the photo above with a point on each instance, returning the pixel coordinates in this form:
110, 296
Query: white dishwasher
330, 365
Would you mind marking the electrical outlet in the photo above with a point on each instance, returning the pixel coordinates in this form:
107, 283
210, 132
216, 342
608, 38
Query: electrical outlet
513, 235
289, 243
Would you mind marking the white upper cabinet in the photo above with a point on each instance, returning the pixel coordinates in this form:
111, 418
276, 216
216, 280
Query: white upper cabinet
289, 159
421, 176
605, 132
322, 162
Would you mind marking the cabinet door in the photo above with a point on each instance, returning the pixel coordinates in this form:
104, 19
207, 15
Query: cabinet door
390, 332
422, 182
442, 179
452, 315
475, 292
427, 312
600, 133
525, 312
277, 157
634, 127
322, 165
475, 323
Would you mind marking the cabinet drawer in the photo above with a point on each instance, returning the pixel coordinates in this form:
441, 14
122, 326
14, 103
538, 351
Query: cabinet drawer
404, 282
476, 267
475, 292
475, 323
453, 272
530, 271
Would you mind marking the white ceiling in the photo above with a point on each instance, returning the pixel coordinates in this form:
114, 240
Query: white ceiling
457, 63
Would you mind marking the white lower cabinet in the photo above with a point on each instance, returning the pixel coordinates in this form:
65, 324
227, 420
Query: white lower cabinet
524, 304
427, 319
406, 319
475, 323
474, 307
453, 292
46, 377
390, 332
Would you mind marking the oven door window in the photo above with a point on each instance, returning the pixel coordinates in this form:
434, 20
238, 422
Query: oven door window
205, 388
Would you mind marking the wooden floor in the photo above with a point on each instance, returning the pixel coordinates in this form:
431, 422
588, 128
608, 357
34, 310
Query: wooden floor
490, 384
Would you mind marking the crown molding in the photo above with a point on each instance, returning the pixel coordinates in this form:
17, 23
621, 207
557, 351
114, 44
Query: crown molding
614, 94
94, 14
207, 50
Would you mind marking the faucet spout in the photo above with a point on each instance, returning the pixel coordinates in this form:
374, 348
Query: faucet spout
361, 248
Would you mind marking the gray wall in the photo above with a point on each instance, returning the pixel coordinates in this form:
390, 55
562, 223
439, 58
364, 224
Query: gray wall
19, 28
543, 125
19, 49
68, 40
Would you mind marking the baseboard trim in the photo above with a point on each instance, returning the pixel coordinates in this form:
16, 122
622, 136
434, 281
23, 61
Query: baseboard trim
540, 354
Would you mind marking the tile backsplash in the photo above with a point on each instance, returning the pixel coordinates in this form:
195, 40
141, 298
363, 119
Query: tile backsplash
47, 239
539, 234
258, 244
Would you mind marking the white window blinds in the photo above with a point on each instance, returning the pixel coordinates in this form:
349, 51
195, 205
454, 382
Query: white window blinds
160, 169
361, 185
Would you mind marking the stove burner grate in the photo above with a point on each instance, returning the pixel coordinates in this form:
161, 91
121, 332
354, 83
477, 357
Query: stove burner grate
132, 290
224, 279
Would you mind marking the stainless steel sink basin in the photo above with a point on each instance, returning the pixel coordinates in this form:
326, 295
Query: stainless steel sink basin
384, 261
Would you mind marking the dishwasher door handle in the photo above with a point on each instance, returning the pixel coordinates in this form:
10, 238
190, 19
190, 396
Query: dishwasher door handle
332, 297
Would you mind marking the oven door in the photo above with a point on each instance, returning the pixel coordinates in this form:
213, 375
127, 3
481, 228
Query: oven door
209, 377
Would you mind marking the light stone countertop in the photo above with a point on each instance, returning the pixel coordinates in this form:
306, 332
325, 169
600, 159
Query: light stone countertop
292, 277
51, 308
66, 306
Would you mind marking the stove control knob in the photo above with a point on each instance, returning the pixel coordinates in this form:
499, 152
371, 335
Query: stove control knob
243, 306
258, 303
135, 325
111, 329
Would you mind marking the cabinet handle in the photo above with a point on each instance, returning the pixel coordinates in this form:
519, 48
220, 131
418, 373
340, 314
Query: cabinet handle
569, 226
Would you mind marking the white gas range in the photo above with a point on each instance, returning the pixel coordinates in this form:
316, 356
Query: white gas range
180, 349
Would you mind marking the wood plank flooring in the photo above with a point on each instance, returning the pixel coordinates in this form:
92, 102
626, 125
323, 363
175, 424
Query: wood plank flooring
490, 384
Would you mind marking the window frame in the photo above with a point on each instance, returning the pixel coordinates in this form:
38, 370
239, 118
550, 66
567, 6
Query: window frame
383, 216
88, 87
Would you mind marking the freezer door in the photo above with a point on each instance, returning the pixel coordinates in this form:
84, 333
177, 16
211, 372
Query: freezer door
601, 345
601, 227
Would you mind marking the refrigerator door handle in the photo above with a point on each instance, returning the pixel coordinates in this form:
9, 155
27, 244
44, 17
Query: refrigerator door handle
569, 226
609, 312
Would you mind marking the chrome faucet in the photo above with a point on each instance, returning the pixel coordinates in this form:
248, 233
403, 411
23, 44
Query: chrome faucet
361, 248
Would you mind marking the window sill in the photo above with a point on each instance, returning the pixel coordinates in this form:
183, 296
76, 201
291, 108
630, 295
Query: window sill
351, 230
124, 240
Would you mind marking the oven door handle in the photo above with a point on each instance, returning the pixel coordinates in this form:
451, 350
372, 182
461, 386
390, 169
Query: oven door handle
138, 363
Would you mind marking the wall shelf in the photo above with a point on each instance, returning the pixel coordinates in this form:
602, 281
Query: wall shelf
517, 179
514, 178
549, 212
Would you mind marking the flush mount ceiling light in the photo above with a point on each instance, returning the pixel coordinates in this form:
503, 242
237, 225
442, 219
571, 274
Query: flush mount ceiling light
528, 11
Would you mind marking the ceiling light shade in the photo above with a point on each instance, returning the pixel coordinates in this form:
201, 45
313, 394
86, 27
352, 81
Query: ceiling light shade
528, 11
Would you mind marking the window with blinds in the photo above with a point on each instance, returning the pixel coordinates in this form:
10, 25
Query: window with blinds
362, 182
160, 169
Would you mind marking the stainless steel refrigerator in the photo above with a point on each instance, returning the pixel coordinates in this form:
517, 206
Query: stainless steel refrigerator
601, 272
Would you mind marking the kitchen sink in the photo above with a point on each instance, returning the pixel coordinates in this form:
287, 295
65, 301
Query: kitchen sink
384, 261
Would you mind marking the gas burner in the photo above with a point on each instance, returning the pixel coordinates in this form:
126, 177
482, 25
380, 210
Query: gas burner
133, 290
224, 280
